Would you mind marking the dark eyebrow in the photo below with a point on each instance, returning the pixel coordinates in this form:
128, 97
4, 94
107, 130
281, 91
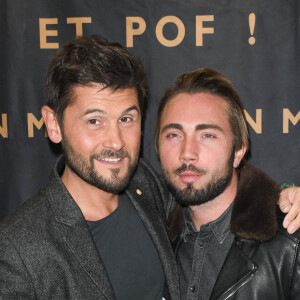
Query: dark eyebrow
93, 110
97, 110
133, 107
208, 126
171, 125
198, 127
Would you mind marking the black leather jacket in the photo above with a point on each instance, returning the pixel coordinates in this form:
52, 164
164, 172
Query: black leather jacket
263, 262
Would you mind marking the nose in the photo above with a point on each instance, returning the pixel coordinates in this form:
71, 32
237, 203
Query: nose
189, 151
113, 138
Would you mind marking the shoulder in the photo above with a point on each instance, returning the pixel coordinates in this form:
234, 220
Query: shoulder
22, 242
28, 216
146, 174
152, 186
147, 169
289, 251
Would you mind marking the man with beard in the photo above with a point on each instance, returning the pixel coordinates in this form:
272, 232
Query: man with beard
97, 230
228, 239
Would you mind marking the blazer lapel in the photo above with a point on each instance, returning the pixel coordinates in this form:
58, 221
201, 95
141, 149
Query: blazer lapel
82, 246
75, 232
236, 271
147, 211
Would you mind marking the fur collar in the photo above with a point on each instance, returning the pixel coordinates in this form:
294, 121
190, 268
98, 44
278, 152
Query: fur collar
254, 208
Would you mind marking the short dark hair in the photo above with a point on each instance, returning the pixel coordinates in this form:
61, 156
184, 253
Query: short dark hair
90, 60
206, 80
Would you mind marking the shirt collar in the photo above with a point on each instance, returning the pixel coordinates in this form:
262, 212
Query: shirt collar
219, 227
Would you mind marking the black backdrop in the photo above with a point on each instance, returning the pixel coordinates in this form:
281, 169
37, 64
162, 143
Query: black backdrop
171, 36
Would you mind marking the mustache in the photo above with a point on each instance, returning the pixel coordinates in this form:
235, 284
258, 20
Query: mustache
189, 167
108, 153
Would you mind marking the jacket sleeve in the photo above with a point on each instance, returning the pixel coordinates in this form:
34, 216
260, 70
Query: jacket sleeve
295, 282
15, 281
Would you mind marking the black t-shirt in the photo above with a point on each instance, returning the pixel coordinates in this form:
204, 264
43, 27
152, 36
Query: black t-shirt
128, 253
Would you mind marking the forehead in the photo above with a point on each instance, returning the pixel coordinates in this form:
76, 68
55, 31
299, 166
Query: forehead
87, 97
194, 109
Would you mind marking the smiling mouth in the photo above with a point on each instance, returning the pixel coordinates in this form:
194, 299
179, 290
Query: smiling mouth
110, 159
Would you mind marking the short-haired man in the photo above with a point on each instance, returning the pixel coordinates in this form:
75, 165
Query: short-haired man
229, 241
98, 228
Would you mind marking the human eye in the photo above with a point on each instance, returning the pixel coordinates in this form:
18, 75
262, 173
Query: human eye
208, 136
125, 119
93, 121
171, 135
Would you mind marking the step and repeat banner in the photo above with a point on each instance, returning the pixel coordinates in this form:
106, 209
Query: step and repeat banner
255, 43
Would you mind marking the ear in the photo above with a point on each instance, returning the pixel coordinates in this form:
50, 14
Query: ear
238, 156
52, 125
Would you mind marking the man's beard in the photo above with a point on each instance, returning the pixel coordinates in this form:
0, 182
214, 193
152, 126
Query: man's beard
85, 168
216, 186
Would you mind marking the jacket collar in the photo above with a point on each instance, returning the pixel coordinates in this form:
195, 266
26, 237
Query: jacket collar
254, 208
65, 209
219, 227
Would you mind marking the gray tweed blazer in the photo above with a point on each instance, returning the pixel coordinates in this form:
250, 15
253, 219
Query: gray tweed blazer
47, 251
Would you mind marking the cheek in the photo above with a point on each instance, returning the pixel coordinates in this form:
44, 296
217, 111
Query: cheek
168, 156
132, 139
135, 145
211, 158
84, 141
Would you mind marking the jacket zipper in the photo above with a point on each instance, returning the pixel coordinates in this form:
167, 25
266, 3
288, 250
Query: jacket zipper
237, 286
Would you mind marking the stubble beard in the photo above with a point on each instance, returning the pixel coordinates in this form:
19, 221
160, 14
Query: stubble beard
191, 196
85, 168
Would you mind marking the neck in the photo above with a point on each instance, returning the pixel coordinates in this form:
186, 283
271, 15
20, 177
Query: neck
212, 210
94, 203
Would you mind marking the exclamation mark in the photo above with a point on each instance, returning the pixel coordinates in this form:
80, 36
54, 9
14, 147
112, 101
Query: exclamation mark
251, 25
